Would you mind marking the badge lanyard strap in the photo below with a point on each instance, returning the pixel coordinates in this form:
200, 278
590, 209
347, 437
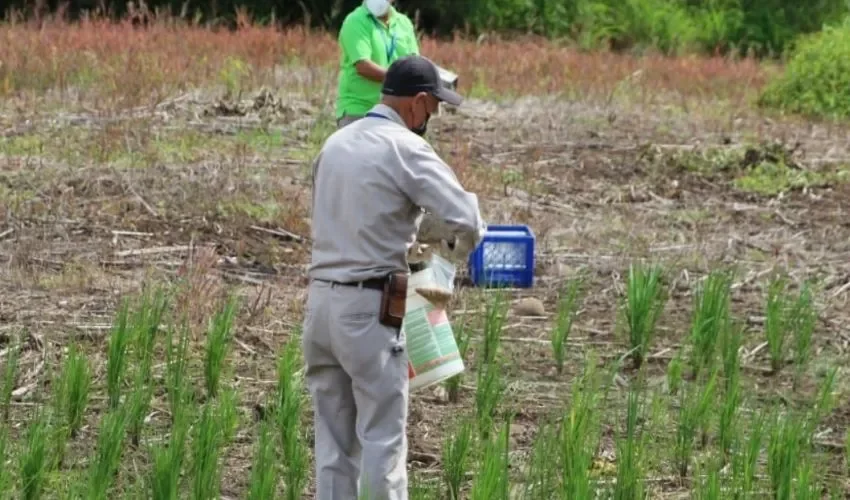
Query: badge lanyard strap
372, 114
389, 42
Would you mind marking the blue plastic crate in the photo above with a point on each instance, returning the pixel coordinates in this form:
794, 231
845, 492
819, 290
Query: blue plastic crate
505, 257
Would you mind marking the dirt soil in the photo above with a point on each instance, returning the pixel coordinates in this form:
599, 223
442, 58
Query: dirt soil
192, 191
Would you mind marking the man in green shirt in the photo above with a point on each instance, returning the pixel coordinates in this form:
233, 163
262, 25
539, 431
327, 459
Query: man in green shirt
372, 36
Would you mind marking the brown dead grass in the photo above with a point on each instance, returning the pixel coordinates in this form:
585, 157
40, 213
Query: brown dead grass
120, 64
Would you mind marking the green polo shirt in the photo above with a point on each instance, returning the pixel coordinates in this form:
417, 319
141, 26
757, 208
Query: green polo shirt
362, 36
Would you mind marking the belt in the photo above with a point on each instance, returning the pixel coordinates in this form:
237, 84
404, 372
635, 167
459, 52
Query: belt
374, 283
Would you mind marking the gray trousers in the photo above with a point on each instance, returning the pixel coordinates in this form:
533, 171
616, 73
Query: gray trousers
356, 371
346, 120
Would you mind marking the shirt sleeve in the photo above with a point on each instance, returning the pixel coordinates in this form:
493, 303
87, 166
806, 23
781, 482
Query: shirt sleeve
432, 185
355, 41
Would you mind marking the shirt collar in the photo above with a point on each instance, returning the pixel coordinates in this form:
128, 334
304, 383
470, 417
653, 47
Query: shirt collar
389, 112
390, 20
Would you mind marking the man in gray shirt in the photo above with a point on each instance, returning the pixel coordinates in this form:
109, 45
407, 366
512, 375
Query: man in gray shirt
371, 182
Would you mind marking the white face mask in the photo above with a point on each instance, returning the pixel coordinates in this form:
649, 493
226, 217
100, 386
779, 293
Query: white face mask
378, 8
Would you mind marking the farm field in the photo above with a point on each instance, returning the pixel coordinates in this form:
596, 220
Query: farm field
693, 268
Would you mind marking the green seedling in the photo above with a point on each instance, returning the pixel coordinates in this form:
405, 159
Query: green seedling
457, 453
776, 326
567, 306
73, 388
420, 489
847, 450
462, 336
710, 319
580, 435
803, 319
646, 297
488, 394
289, 407
219, 336
139, 403
5, 472
709, 487
731, 348
674, 374
107, 460
491, 481
116, 363
34, 459
693, 413
212, 432
168, 460
806, 487
630, 477
264, 466
729, 414
177, 359
542, 477
823, 404
745, 460
786, 449
494, 320
10, 373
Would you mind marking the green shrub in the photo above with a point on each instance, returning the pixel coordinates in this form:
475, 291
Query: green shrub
816, 80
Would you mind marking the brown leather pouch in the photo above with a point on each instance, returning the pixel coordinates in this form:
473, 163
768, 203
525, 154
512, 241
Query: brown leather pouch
394, 300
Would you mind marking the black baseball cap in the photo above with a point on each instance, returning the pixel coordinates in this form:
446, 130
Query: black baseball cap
413, 74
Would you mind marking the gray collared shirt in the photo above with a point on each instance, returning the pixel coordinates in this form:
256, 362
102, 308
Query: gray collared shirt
371, 181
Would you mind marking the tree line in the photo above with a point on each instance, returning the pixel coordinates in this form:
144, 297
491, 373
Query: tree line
759, 27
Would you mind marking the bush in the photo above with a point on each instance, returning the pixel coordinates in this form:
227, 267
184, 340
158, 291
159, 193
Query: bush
816, 80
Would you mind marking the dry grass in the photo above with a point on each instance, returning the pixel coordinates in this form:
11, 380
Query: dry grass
115, 65
131, 156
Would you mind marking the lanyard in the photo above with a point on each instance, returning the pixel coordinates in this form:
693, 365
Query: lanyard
389, 42
376, 115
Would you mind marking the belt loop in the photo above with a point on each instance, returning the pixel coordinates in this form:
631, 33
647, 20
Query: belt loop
360, 285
